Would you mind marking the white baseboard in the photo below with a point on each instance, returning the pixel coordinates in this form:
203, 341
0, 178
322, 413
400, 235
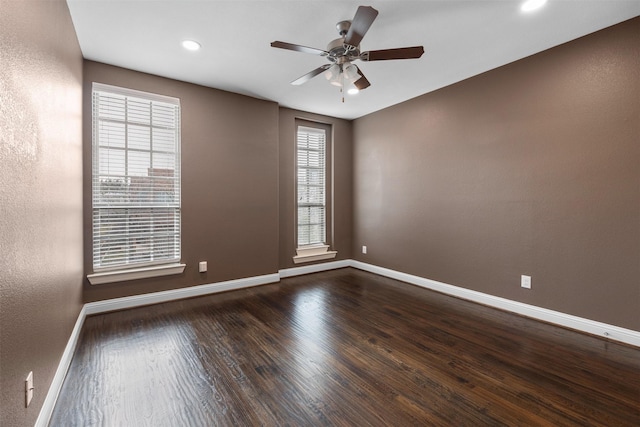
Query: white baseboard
315, 268
65, 361
627, 336
176, 294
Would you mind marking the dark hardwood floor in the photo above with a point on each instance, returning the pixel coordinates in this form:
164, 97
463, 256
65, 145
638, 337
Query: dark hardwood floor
344, 348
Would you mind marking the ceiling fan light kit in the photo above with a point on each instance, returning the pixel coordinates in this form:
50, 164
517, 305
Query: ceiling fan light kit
342, 51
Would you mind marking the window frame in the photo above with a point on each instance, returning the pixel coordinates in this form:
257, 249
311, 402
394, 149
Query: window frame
315, 251
147, 268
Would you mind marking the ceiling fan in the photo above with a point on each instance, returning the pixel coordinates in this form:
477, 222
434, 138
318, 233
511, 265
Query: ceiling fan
342, 51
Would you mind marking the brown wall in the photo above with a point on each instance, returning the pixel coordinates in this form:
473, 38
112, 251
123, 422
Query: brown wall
229, 182
341, 179
40, 198
532, 168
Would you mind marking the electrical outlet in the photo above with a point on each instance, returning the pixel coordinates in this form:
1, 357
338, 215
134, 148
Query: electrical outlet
202, 267
28, 389
364, 249
525, 281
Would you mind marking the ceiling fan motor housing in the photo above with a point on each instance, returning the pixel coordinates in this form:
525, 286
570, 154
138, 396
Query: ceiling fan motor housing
340, 53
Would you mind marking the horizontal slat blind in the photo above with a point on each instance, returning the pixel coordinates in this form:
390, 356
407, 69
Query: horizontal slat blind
136, 179
311, 158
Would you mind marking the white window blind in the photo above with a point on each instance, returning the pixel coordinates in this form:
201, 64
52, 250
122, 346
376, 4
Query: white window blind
136, 178
311, 186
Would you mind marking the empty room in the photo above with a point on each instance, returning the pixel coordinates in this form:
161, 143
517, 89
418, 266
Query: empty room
320, 213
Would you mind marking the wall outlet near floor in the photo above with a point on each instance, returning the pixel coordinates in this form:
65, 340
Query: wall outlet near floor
28, 389
202, 267
525, 281
364, 249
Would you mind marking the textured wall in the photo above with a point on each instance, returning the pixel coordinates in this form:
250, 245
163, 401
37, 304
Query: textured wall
229, 182
40, 198
532, 168
341, 180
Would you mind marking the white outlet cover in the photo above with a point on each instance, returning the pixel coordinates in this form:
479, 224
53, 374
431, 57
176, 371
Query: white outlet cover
202, 266
364, 249
525, 281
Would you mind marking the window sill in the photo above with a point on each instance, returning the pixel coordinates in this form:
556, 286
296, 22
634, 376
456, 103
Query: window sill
313, 253
135, 273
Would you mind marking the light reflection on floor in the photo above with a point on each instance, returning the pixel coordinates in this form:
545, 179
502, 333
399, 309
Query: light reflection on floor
131, 382
310, 327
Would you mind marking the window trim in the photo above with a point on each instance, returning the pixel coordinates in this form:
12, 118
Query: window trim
118, 273
123, 275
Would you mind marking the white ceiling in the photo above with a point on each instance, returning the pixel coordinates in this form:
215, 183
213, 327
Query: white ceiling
462, 38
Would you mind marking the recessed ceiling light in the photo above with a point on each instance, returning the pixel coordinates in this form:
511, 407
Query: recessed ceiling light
531, 5
353, 91
191, 45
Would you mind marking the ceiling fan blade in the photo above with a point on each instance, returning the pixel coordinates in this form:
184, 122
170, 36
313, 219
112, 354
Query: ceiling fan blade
310, 75
364, 17
362, 82
399, 53
298, 48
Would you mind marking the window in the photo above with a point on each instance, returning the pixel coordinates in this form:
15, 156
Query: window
135, 181
311, 157
311, 190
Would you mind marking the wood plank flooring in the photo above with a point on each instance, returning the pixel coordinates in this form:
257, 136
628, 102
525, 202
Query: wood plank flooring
342, 348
